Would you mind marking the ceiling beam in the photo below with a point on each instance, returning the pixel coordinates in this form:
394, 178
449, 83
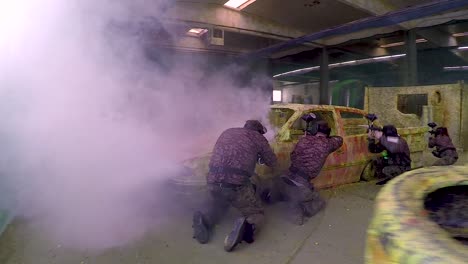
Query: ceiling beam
381, 21
438, 37
219, 16
379, 7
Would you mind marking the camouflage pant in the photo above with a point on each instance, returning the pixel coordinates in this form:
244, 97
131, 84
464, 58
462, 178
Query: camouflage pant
242, 198
302, 200
446, 161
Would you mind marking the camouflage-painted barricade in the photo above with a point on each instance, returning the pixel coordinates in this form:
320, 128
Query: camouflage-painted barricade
401, 231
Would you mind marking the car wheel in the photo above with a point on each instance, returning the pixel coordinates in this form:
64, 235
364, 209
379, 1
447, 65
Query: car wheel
402, 229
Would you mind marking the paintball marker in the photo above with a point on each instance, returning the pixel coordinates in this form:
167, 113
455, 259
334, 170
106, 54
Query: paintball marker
432, 125
371, 119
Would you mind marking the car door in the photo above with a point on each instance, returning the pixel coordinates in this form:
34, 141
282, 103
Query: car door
354, 127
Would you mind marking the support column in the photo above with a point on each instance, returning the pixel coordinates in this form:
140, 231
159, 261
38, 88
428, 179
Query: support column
324, 78
410, 72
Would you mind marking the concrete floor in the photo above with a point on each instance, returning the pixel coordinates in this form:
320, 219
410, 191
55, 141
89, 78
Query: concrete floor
336, 235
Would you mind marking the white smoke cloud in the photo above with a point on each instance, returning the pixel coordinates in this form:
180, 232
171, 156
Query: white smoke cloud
88, 119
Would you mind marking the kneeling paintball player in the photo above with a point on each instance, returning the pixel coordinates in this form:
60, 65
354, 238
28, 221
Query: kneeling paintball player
307, 161
445, 150
395, 151
232, 164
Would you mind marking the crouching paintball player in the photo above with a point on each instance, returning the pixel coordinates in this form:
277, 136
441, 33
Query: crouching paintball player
233, 162
395, 151
444, 148
307, 161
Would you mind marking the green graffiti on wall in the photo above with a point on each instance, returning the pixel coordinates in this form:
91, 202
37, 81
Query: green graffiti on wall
348, 93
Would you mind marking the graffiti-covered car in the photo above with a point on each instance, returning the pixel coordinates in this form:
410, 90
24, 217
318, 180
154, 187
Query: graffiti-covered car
346, 165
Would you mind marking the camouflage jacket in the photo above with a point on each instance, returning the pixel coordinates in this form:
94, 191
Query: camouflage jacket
443, 145
310, 155
235, 155
397, 148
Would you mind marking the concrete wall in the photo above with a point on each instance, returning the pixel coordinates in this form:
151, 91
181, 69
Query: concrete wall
303, 90
464, 117
444, 107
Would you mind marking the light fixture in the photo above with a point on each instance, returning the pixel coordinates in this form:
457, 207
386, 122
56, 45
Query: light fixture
396, 44
277, 96
463, 48
197, 32
340, 64
461, 34
238, 4
456, 68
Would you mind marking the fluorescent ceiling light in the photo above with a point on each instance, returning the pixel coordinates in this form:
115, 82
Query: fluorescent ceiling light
462, 48
461, 34
238, 4
277, 97
396, 44
340, 64
197, 32
456, 68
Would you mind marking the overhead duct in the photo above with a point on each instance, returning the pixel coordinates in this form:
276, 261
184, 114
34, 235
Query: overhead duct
389, 19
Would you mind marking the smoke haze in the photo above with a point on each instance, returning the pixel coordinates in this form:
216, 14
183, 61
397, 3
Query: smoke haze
88, 118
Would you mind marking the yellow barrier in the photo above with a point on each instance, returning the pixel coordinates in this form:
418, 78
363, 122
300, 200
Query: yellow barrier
401, 232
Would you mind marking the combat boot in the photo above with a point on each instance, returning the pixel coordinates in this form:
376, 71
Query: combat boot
311, 209
201, 231
297, 218
249, 233
237, 234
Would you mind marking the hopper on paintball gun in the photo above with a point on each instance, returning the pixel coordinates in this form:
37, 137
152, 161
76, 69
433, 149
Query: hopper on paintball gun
371, 126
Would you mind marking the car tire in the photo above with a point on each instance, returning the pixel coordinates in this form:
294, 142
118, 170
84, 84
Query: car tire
401, 230
368, 174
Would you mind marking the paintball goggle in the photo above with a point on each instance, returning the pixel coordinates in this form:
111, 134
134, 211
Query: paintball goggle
433, 131
371, 126
260, 160
309, 118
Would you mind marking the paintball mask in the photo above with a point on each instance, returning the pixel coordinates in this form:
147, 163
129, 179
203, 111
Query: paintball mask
433, 131
255, 125
311, 128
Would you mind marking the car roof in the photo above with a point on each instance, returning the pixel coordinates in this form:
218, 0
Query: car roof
305, 107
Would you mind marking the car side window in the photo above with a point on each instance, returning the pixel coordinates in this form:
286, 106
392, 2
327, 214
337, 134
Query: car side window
353, 123
299, 126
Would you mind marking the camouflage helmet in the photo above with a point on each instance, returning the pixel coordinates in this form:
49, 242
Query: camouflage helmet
390, 131
256, 126
323, 128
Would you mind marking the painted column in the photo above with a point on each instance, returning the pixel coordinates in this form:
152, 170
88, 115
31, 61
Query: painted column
410, 69
324, 78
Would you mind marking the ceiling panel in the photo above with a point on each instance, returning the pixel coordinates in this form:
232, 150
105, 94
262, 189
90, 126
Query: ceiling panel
306, 15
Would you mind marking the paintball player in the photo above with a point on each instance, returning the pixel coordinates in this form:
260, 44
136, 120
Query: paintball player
232, 164
307, 161
445, 150
396, 153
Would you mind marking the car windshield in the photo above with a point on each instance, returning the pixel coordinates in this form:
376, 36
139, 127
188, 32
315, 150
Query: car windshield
279, 116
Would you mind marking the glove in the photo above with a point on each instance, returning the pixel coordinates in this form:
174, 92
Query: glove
385, 154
